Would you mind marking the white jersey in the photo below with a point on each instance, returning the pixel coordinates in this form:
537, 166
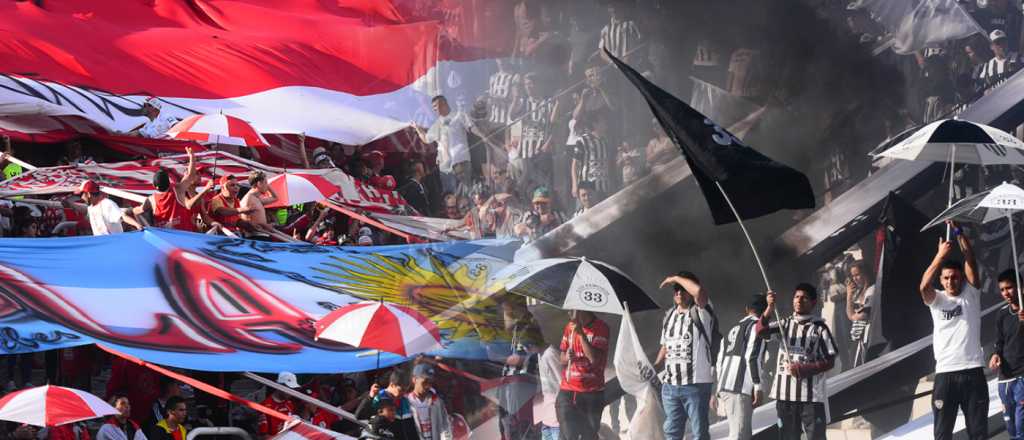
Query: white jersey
957, 336
158, 127
105, 218
452, 144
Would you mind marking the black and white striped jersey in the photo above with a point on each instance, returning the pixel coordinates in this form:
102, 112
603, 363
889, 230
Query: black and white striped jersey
499, 93
536, 125
620, 37
808, 339
594, 162
741, 359
687, 353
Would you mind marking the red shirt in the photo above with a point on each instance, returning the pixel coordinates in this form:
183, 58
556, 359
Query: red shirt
222, 202
269, 425
323, 418
171, 214
70, 431
581, 375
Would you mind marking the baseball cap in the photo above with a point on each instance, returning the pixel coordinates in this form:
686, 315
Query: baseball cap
996, 34
365, 231
423, 370
288, 379
88, 186
153, 101
542, 194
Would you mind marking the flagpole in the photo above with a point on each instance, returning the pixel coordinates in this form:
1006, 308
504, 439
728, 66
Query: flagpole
785, 345
1016, 266
949, 199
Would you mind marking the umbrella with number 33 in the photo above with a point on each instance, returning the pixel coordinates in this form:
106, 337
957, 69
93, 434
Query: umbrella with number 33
575, 284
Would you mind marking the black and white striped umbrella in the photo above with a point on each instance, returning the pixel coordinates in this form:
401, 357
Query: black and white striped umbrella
575, 284
959, 141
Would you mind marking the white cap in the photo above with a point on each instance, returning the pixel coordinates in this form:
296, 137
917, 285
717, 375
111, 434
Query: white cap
153, 101
365, 231
365, 240
996, 34
288, 379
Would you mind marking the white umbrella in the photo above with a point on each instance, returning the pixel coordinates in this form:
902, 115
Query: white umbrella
999, 202
292, 189
958, 141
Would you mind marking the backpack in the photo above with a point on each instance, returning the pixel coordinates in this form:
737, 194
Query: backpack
714, 340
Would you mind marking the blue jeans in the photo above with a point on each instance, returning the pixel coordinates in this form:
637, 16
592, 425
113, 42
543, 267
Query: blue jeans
684, 402
548, 432
1012, 394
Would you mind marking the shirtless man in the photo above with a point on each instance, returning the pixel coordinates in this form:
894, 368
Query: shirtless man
254, 206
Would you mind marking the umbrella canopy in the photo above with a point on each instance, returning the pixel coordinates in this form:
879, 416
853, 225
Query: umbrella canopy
972, 143
983, 207
385, 327
295, 430
52, 406
292, 189
576, 284
217, 129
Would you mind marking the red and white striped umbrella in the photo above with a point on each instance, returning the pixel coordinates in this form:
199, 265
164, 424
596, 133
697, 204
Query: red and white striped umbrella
217, 129
52, 406
292, 189
385, 327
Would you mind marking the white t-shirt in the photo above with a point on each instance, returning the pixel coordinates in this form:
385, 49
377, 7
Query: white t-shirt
450, 134
422, 409
158, 127
105, 218
957, 336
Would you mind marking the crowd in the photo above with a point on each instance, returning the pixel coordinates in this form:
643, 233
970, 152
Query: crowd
549, 134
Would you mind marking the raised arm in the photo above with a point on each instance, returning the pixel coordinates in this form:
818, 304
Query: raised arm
700, 296
271, 198
190, 171
302, 151
765, 328
419, 132
971, 272
926, 289
311, 232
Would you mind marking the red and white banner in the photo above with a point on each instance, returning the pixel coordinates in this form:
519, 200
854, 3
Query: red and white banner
137, 177
349, 71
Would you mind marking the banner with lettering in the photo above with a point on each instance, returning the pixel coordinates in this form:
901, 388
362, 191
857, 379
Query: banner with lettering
137, 177
221, 304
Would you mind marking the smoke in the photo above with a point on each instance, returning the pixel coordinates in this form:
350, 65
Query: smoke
823, 90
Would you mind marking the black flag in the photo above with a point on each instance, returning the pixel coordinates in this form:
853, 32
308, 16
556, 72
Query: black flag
756, 184
899, 245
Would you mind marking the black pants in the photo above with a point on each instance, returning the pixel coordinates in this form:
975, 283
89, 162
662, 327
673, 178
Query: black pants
796, 418
579, 414
965, 390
